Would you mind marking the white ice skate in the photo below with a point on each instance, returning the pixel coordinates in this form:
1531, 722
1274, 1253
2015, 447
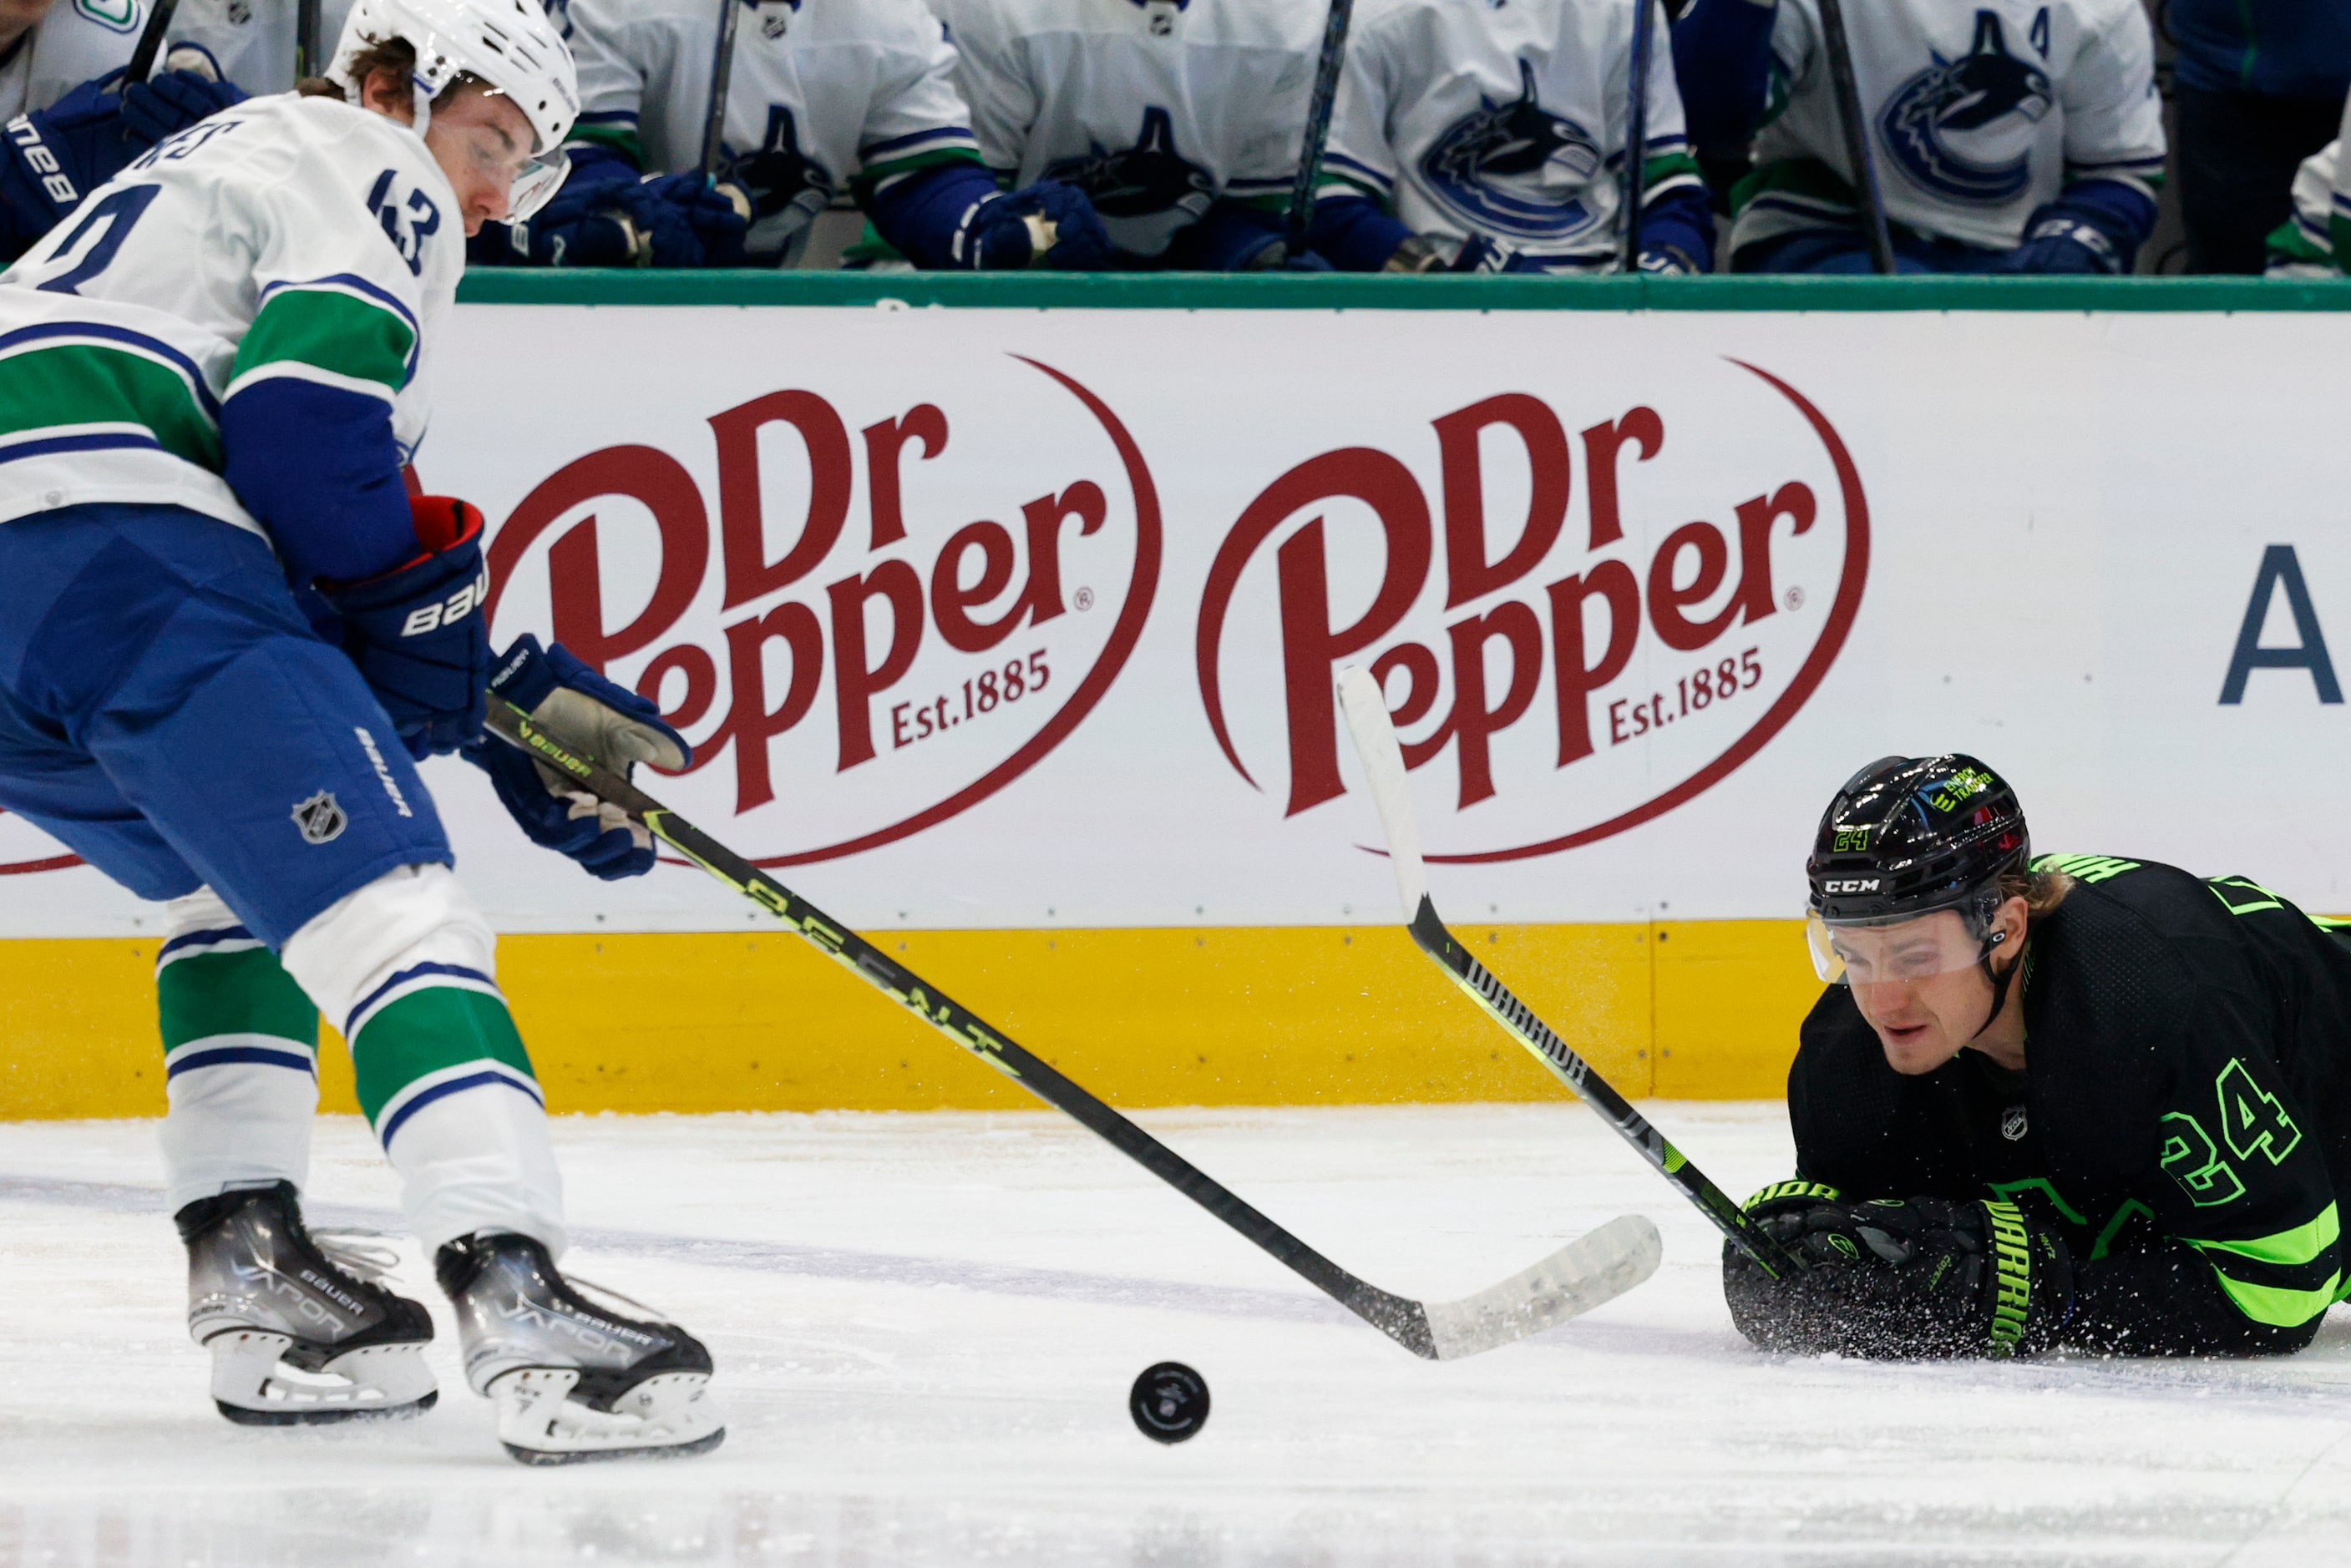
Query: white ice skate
296, 1335
573, 1380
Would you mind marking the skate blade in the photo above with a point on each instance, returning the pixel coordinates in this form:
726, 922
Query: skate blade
665, 1417
253, 1385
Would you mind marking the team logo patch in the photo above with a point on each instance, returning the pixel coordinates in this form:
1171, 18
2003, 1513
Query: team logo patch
321, 819
2011, 1124
1964, 129
1515, 168
1146, 192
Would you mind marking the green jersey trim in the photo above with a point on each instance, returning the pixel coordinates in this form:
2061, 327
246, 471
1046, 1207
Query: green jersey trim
2090, 868
622, 140
350, 339
2284, 1249
2277, 1306
70, 389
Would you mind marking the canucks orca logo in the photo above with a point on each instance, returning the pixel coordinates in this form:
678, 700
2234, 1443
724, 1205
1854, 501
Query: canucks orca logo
787, 188
1964, 127
1146, 194
1515, 168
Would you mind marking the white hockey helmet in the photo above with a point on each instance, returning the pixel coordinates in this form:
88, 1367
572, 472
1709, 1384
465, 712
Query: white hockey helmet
509, 44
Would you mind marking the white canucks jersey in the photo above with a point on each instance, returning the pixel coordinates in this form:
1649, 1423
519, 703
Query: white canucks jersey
284, 237
1978, 114
1509, 122
825, 96
1154, 108
251, 42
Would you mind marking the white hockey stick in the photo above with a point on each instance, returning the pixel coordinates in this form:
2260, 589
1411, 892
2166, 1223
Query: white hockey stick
1375, 743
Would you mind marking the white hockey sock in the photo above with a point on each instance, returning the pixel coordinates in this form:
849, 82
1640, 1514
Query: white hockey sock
406, 966
240, 1057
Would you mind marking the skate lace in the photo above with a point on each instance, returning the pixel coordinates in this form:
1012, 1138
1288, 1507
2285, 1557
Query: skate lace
369, 1255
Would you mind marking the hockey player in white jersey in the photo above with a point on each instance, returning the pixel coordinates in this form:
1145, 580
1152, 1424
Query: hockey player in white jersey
71, 122
2008, 136
250, 42
227, 629
825, 98
2315, 238
1181, 120
1478, 138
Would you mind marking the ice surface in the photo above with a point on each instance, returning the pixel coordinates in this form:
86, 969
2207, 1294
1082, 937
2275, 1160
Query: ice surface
925, 1326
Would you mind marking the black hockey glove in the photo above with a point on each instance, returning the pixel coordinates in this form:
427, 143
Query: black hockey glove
1783, 1313
1922, 1277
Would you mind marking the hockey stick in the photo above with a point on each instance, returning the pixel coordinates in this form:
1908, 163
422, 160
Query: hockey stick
306, 62
1636, 129
1318, 127
1856, 137
1375, 743
150, 42
722, 75
1593, 1269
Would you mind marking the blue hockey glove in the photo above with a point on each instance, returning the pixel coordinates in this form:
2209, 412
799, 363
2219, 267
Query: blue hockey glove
587, 223
2097, 226
593, 716
692, 222
1003, 232
417, 632
55, 156
175, 98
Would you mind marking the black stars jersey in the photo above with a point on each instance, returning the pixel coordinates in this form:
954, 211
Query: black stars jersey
2184, 1119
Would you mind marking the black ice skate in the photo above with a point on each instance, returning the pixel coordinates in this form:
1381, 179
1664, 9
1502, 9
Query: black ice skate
572, 1380
295, 1337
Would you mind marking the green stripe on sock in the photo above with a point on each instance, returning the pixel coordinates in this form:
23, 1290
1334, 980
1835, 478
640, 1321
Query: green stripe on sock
330, 330
428, 1030
246, 992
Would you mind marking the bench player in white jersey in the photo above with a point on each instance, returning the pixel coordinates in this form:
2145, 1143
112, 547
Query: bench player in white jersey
2316, 239
251, 42
1180, 120
225, 630
2008, 135
1481, 139
71, 124
825, 98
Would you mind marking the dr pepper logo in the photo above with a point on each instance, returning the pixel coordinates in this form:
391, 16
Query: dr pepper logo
907, 607
1590, 613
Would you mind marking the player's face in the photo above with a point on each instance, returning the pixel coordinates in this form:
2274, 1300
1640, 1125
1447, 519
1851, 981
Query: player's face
1919, 986
483, 143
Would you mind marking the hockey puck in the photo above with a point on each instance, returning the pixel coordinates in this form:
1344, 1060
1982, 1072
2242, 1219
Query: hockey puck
1169, 1402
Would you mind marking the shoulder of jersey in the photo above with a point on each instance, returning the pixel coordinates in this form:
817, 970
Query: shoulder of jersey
1258, 23
876, 21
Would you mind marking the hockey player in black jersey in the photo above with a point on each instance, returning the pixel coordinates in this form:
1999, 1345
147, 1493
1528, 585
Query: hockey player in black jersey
2071, 1102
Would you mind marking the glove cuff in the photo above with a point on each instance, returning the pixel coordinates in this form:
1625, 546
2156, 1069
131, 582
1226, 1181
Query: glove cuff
524, 676
1794, 1187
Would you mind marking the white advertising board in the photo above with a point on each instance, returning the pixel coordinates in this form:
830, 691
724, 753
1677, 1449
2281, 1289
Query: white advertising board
1014, 618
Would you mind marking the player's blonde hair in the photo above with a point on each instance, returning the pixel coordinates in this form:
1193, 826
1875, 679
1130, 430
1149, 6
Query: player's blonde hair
2041, 891
397, 56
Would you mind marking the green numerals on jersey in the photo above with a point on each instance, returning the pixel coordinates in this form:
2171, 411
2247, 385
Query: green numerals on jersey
2193, 1160
2252, 1122
2252, 1118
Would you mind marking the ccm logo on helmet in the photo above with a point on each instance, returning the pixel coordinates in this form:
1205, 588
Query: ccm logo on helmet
1851, 885
455, 609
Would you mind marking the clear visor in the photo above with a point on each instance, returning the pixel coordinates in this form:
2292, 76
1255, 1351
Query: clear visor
1908, 950
537, 182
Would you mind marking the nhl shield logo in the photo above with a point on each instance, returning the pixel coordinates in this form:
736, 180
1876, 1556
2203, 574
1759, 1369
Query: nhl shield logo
321, 818
2011, 1124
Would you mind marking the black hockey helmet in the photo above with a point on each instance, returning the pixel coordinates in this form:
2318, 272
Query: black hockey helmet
1907, 835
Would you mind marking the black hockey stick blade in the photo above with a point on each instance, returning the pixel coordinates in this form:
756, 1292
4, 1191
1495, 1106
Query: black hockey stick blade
1636, 129
1857, 152
1588, 1271
1327, 65
150, 42
722, 77
1382, 757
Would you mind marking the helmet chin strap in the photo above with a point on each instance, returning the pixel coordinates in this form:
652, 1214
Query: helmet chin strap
1999, 979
